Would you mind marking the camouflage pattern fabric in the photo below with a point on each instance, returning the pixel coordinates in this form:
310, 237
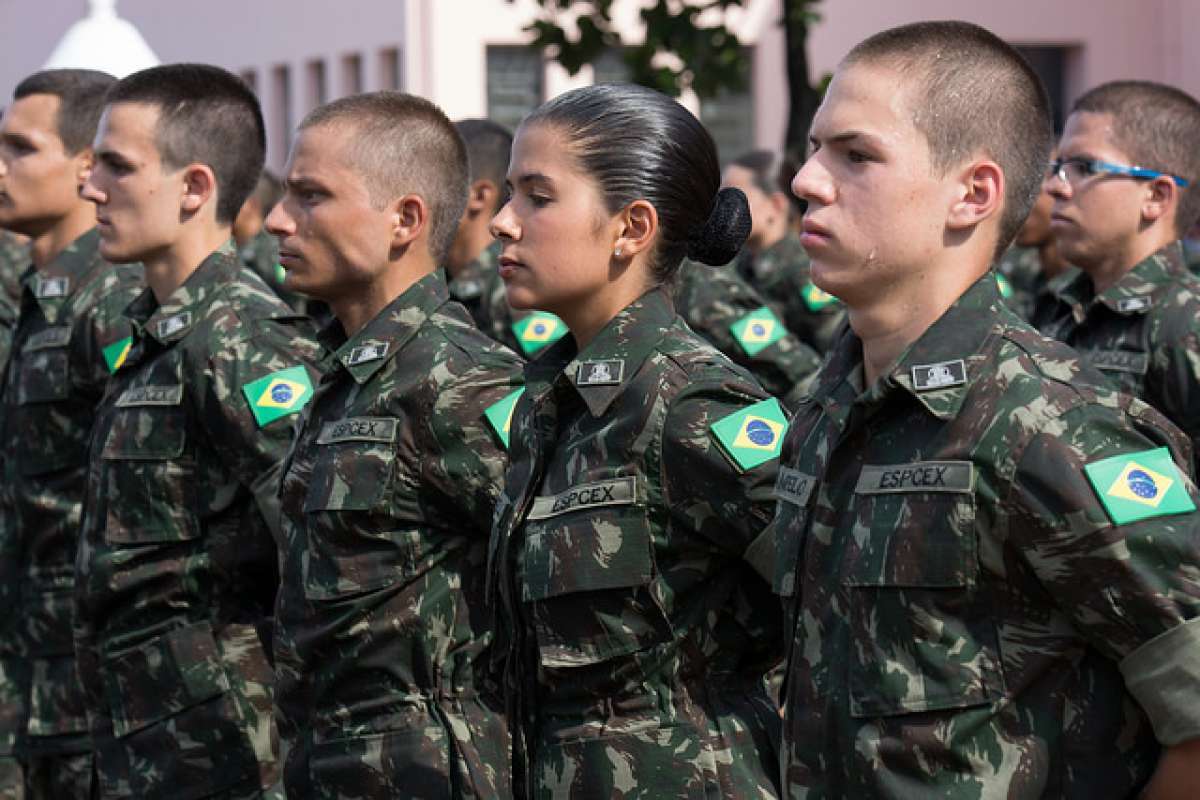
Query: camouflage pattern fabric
965, 615
14, 259
261, 256
1021, 278
71, 313
177, 567
382, 635
780, 274
714, 301
1143, 333
638, 635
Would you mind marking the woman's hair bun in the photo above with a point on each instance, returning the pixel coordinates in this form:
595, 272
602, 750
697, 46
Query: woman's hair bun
723, 234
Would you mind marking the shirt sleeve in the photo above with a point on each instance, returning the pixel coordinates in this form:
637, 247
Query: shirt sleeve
1131, 590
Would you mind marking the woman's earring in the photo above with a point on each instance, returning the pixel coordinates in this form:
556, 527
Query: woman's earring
617, 253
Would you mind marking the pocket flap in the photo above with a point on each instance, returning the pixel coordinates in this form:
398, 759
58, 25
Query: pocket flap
163, 677
604, 547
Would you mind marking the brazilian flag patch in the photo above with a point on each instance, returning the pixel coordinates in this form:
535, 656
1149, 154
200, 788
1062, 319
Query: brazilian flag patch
1138, 486
815, 298
278, 394
499, 415
280, 274
539, 329
753, 435
1006, 290
116, 353
757, 331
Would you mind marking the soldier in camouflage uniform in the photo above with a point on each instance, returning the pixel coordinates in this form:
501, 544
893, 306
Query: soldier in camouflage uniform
68, 336
177, 566
471, 264
257, 248
642, 459
14, 258
383, 637
988, 560
1134, 310
1032, 262
725, 311
773, 262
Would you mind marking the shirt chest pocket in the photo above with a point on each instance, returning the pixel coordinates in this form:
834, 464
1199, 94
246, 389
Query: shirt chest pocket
922, 629
149, 477
353, 474
52, 436
587, 570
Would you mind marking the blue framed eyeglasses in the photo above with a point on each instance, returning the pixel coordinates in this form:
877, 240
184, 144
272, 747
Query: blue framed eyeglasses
1073, 170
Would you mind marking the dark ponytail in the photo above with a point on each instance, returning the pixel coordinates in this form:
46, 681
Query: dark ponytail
639, 144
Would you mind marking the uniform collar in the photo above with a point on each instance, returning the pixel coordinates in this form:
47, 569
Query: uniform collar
1138, 290
365, 353
53, 284
170, 322
937, 369
602, 371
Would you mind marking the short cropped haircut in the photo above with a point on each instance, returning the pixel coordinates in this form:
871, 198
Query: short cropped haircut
1158, 128
972, 93
206, 116
489, 145
80, 94
402, 144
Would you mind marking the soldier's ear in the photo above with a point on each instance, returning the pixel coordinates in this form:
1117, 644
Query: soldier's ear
410, 219
977, 194
638, 227
1161, 198
482, 197
199, 188
85, 160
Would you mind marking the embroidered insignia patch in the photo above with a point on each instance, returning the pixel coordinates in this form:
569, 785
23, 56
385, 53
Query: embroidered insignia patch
757, 331
753, 435
1137, 486
499, 415
538, 330
173, 325
116, 353
367, 352
816, 298
939, 376
600, 373
52, 287
1131, 304
278, 394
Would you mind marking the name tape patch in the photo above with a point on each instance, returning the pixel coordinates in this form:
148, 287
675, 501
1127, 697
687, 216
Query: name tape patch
939, 376
1130, 304
919, 476
600, 373
151, 396
1119, 361
367, 352
173, 325
359, 429
51, 337
617, 492
793, 486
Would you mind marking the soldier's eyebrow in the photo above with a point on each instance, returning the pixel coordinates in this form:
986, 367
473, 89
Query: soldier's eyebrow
845, 137
112, 158
304, 183
527, 179
17, 139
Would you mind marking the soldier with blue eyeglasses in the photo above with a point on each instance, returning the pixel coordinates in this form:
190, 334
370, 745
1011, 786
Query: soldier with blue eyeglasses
1124, 196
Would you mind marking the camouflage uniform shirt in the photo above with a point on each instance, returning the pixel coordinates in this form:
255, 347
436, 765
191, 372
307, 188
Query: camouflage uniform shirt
639, 636
14, 258
1143, 333
724, 310
780, 274
1021, 278
70, 332
388, 497
177, 567
968, 618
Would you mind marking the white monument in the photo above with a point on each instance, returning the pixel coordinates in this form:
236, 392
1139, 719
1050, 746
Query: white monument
103, 41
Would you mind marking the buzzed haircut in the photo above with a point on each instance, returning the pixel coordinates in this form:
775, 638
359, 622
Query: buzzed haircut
80, 94
489, 146
206, 116
972, 93
1158, 128
402, 144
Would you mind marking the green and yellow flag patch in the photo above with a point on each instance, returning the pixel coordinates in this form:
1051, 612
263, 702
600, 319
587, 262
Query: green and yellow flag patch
278, 394
116, 353
499, 415
1006, 290
757, 331
753, 435
539, 329
1137, 486
815, 298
